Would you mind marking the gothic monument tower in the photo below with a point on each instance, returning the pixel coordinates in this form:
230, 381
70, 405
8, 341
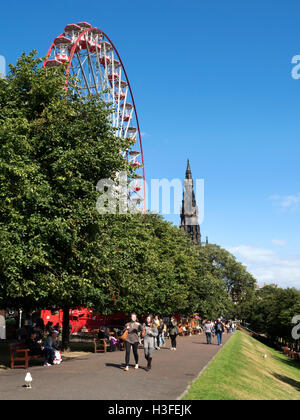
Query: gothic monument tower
189, 211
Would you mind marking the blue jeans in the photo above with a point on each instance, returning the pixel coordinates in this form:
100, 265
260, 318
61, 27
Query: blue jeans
157, 341
208, 337
162, 339
219, 336
49, 354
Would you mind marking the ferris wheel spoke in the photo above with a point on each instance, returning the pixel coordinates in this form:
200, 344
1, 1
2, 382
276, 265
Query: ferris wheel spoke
128, 123
100, 73
113, 87
123, 113
83, 73
119, 97
75, 75
76, 88
92, 69
76, 70
106, 74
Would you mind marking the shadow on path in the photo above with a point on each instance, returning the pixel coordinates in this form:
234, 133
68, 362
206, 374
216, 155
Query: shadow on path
122, 366
115, 365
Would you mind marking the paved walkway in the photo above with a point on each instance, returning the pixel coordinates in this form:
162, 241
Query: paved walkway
101, 376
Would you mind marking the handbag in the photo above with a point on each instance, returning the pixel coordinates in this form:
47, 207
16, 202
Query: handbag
57, 359
124, 335
143, 332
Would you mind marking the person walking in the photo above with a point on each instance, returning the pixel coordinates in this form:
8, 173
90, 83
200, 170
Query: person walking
233, 326
173, 332
150, 333
133, 327
163, 333
208, 327
2, 325
219, 329
157, 340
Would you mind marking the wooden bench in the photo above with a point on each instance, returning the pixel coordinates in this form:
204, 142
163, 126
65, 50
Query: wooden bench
19, 353
100, 345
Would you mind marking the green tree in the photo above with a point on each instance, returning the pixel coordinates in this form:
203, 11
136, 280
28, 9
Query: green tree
146, 265
208, 292
234, 278
54, 148
272, 311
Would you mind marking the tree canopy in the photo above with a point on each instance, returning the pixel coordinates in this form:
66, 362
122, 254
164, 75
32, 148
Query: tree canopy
56, 249
272, 311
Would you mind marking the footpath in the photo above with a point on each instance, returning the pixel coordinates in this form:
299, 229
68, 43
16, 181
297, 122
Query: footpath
101, 376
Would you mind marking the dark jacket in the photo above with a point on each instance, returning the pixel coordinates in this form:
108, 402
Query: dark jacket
219, 327
103, 334
172, 327
34, 347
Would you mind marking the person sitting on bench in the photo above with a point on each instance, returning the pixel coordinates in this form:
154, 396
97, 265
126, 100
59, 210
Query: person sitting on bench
103, 333
51, 345
37, 349
34, 345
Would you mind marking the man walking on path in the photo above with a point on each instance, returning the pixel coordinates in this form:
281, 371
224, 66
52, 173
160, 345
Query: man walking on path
219, 328
208, 326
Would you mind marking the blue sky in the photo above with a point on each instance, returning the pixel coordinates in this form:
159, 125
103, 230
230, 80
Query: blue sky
212, 82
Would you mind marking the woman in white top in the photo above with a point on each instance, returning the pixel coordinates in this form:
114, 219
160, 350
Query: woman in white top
208, 326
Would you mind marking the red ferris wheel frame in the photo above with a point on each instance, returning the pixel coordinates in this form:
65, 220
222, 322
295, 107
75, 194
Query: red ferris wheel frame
72, 52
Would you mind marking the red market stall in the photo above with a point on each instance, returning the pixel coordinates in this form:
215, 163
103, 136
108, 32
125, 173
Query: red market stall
83, 318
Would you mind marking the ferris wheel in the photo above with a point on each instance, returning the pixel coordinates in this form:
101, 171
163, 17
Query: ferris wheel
92, 58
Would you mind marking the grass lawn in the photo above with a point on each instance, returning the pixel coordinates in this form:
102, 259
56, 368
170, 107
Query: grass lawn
239, 372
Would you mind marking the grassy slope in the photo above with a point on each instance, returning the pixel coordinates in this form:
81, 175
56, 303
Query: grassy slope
239, 372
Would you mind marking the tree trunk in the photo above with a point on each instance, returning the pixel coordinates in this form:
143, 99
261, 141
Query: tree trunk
66, 330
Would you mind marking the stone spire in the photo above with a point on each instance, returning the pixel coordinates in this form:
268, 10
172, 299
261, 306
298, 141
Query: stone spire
189, 211
188, 173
